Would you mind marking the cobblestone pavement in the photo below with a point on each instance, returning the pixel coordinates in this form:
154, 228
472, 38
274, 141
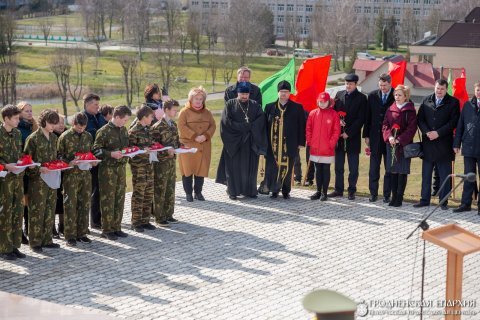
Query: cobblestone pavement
248, 259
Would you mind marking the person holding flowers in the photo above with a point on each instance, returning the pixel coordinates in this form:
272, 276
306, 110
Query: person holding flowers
399, 126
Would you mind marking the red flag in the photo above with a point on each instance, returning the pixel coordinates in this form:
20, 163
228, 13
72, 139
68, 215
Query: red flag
397, 72
311, 81
459, 88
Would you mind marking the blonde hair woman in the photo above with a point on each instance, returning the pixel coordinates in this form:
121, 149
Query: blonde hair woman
196, 127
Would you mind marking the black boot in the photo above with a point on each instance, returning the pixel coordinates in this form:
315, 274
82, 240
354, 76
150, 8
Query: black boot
394, 184
402, 184
188, 187
198, 188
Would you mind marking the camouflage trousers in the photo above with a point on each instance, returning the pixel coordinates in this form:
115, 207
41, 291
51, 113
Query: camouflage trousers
164, 190
112, 185
41, 212
11, 212
142, 196
77, 186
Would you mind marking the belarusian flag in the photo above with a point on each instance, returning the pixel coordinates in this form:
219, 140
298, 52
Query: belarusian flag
268, 87
459, 88
397, 72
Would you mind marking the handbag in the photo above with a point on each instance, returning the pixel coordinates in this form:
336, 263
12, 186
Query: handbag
413, 150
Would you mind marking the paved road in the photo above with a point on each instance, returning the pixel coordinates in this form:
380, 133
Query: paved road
248, 259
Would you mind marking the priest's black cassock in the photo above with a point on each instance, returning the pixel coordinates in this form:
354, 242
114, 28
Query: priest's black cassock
242, 130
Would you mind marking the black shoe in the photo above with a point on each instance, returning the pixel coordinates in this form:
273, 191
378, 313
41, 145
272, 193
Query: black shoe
351, 196
199, 196
434, 193
138, 228
421, 204
172, 220
444, 207
324, 197
373, 198
61, 229
24, 238
121, 234
55, 234
37, 249
96, 226
109, 235
386, 199
253, 197
462, 208
84, 239
189, 197
8, 256
233, 197
286, 196
18, 254
335, 194
149, 226
317, 195
52, 245
274, 195
71, 243
163, 223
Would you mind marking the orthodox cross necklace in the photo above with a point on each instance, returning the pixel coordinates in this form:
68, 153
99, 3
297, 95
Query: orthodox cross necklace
241, 108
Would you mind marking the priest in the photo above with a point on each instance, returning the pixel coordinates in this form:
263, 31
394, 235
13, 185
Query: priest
242, 130
285, 133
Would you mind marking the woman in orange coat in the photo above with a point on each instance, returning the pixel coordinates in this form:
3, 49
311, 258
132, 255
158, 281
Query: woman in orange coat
196, 128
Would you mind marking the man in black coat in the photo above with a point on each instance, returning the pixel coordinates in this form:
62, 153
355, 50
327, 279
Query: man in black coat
285, 133
243, 75
467, 136
354, 104
437, 118
378, 102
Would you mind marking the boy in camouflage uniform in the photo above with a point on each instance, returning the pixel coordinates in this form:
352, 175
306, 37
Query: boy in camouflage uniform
109, 142
42, 146
11, 187
77, 183
166, 133
142, 171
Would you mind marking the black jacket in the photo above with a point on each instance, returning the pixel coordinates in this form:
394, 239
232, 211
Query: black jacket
374, 119
467, 135
94, 123
255, 94
293, 125
443, 119
355, 106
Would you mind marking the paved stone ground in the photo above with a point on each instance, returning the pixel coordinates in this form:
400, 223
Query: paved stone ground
247, 259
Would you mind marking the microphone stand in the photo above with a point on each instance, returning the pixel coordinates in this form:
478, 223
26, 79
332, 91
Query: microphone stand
424, 226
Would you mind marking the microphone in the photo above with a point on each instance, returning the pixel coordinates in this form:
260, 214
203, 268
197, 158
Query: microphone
470, 177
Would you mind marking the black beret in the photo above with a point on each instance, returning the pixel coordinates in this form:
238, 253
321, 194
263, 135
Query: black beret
284, 85
351, 77
243, 87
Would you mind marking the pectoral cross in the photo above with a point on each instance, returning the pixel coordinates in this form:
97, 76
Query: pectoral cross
246, 118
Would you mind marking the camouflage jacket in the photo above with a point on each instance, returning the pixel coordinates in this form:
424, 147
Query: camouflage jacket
167, 135
41, 149
70, 142
10, 145
110, 138
141, 137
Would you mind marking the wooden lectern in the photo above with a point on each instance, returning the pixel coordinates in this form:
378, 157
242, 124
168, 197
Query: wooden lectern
459, 242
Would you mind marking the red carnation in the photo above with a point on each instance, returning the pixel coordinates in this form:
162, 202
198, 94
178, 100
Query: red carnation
396, 126
2, 167
342, 114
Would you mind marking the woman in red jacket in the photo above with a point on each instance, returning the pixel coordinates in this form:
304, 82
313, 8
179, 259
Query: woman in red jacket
399, 127
323, 131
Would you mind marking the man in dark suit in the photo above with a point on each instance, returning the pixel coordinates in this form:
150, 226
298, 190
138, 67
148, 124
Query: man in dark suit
285, 133
354, 104
467, 136
378, 102
243, 75
437, 118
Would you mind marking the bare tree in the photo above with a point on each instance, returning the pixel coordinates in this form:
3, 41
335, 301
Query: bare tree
46, 27
228, 69
66, 29
457, 9
172, 14
213, 67
94, 18
194, 31
433, 19
169, 65
248, 28
292, 29
75, 81
60, 64
137, 21
334, 33
8, 63
409, 26
129, 65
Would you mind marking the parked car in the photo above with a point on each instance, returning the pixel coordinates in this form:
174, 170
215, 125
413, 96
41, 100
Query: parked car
302, 53
275, 52
365, 55
390, 57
